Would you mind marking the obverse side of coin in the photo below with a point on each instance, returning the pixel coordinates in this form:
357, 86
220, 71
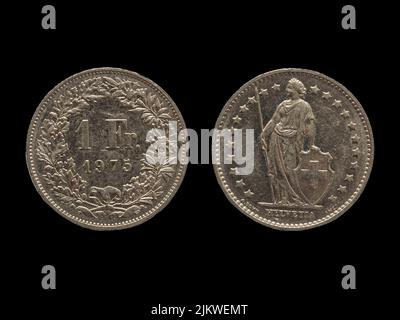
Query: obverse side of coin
88, 149
313, 149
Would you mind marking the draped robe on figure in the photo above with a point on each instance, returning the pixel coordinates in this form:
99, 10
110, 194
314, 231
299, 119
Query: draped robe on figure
285, 135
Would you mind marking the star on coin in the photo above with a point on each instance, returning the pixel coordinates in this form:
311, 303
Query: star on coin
326, 95
240, 183
315, 89
345, 114
248, 193
349, 178
355, 138
342, 189
243, 108
354, 165
276, 87
355, 150
337, 103
236, 119
263, 92
352, 125
252, 99
233, 171
332, 198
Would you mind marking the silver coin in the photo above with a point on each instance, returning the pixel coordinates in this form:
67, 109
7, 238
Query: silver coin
313, 149
87, 149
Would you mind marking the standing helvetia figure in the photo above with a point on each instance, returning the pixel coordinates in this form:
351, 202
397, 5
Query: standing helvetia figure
313, 156
287, 135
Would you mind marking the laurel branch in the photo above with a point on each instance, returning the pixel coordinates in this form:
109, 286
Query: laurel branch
59, 166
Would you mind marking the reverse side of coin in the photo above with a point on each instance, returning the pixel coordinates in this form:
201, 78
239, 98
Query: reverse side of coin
87, 151
313, 149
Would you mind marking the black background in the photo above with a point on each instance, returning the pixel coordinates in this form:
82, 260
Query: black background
199, 249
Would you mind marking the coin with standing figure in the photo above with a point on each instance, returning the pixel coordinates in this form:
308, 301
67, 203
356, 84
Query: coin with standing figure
89, 149
293, 149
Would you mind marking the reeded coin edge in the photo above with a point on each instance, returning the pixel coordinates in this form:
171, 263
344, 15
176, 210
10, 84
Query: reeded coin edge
31, 137
328, 217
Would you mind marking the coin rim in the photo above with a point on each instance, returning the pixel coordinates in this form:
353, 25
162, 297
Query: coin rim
365, 174
30, 152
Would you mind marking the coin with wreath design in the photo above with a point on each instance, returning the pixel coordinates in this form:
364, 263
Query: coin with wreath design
89, 149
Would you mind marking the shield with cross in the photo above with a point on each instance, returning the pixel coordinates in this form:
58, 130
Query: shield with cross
314, 174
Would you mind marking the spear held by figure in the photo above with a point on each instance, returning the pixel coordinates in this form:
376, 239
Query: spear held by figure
264, 146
